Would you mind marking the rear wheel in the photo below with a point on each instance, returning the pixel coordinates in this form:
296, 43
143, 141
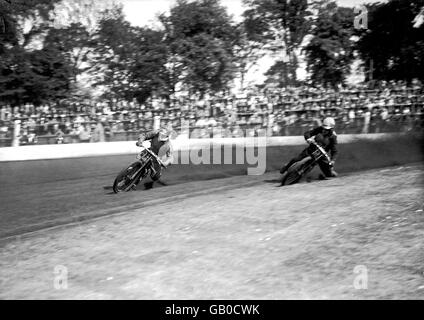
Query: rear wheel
127, 178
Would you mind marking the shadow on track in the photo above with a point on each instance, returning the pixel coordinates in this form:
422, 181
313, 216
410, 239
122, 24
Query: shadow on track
274, 181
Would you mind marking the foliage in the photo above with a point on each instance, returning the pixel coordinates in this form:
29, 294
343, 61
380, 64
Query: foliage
282, 25
392, 43
44, 56
130, 60
201, 38
330, 51
28, 74
75, 43
36, 76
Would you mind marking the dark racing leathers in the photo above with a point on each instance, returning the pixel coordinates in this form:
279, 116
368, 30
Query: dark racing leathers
328, 141
162, 149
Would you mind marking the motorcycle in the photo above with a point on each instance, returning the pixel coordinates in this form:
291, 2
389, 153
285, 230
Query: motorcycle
300, 168
131, 176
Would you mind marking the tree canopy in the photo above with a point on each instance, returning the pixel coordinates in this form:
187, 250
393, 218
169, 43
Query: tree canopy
130, 61
48, 46
200, 36
392, 46
282, 25
330, 50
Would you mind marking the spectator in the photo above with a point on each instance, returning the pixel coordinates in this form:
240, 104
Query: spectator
84, 134
202, 122
367, 119
98, 133
59, 135
392, 106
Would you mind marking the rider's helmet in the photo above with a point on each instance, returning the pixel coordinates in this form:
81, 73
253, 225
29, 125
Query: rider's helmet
163, 135
329, 123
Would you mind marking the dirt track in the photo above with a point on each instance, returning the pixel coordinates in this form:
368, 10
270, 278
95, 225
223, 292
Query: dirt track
42, 193
252, 242
38, 194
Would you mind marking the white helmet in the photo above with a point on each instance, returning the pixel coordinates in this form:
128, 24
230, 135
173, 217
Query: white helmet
163, 135
329, 123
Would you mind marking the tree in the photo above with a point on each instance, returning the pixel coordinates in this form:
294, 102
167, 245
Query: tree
82, 12
14, 14
51, 75
248, 49
330, 51
75, 42
28, 74
37, 76
72, 29
283, 25
129, 61
208, 66
277, 74
200, 37
392, 48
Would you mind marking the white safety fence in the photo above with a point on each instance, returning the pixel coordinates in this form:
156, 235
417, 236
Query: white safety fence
79, 150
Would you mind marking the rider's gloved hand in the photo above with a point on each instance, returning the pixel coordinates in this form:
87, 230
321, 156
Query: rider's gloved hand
310, 140
139, 143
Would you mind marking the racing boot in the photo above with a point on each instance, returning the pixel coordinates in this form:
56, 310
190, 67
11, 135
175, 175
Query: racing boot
322, 177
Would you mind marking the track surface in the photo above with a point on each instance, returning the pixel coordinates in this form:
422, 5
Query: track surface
39, 194
243, 238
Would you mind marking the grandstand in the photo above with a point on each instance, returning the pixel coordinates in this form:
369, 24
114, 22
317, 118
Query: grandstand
283, 112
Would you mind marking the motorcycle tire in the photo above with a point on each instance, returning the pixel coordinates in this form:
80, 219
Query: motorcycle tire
125, 180
296, 171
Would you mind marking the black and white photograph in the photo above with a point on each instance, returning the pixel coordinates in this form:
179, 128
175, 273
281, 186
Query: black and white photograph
214, 150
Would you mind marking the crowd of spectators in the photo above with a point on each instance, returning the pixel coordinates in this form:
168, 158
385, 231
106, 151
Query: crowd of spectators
389, 106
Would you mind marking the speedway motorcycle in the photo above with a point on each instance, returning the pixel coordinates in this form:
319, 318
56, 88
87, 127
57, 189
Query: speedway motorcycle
301, 168
131, 176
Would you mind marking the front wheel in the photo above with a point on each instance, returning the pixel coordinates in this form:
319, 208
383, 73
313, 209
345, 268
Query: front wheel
127, 178
297, 171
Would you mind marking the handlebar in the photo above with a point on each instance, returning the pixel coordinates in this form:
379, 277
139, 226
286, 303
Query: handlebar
321, 149
154, 156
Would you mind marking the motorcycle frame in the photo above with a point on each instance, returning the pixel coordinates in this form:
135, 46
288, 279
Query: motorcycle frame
315, 158
145, 162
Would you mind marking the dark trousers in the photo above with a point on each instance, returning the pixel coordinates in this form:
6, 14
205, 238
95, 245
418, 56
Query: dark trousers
157, 173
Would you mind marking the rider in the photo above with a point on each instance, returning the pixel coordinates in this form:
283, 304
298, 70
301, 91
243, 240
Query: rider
326, 137
162, 147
